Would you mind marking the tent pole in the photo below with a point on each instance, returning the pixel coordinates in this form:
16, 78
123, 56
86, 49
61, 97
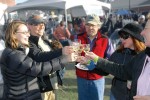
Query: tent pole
66, 17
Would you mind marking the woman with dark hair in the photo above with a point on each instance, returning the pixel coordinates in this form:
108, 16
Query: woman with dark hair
20, 72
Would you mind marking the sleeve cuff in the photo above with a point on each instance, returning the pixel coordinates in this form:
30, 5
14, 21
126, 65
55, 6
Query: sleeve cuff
91, 66
95, 60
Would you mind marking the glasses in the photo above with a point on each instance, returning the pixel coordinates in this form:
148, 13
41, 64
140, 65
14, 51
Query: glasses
91, 26
24, 32
124, 36
41, 24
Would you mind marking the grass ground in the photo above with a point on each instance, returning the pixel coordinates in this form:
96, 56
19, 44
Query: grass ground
69, 90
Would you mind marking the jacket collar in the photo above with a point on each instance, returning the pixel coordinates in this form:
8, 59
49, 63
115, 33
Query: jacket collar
34, 39
129, 51
84, 37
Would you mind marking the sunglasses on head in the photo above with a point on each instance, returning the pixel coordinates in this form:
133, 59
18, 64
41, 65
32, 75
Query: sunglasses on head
124, 35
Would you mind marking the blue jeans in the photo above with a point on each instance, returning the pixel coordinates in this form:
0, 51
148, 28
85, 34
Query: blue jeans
112, 96
62, 72
90, 89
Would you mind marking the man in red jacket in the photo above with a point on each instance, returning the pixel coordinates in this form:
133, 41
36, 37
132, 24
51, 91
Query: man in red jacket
90, 84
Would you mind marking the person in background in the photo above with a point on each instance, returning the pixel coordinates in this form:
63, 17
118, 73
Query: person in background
142, 21
62, 34
131, 44
42, 49
107, 27
50, 26
119, 23
70, 27
76, 32
20, 72
90, 84
82, 26
137, 70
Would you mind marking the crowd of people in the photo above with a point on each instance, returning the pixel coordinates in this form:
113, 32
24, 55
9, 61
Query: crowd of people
34, 55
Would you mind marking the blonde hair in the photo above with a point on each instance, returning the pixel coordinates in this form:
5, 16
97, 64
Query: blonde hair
10, 39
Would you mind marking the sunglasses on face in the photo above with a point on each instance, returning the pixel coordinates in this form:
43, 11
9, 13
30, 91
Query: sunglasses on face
124, 35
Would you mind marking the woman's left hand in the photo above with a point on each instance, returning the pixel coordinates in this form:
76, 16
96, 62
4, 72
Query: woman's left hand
67, 50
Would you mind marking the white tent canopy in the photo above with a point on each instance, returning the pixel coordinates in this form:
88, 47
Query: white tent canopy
86, 10
58, 4
61, 4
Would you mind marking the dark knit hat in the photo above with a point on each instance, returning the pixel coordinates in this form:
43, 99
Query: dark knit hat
134, 30
35, 19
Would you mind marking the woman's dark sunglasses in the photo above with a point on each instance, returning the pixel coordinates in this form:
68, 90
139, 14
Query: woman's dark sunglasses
124, 35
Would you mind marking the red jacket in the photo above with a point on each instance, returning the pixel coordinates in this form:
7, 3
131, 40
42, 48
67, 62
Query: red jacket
99, 49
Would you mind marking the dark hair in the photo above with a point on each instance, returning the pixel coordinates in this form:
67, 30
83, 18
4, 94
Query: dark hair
62, 23
35, 20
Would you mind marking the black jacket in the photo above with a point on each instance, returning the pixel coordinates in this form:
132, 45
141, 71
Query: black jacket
39, 55
20, 74
36, 52
130, 71
119, 86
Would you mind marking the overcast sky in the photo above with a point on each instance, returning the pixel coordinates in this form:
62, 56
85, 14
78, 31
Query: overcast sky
20, 1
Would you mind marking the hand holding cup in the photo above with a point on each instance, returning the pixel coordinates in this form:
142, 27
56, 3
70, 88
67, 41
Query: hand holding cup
91, 55
67, 50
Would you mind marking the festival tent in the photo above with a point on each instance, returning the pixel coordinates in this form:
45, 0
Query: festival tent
80, 6
61, 5
86, 10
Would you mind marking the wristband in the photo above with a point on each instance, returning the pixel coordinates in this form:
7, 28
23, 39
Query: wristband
95, 60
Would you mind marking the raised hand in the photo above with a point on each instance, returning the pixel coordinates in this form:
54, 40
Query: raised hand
82, 60
90, 55
67, 50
